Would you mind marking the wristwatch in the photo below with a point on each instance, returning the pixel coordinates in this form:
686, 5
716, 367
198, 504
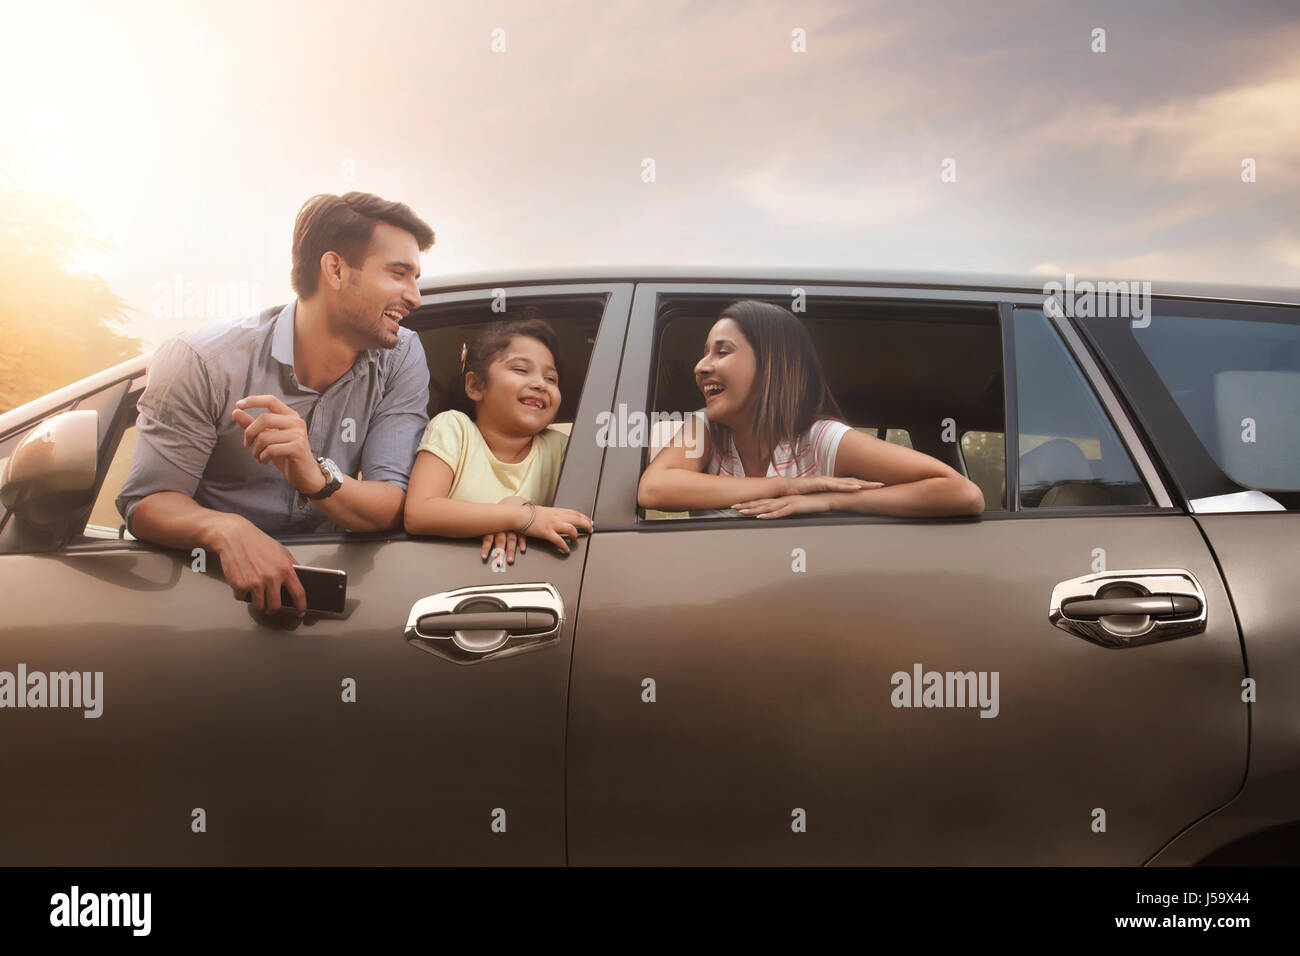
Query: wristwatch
333, 481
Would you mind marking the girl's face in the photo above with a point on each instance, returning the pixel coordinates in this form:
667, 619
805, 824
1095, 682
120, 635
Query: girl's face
726, 376
522, 393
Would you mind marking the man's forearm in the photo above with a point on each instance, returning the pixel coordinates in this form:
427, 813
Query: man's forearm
365, 505
176, 520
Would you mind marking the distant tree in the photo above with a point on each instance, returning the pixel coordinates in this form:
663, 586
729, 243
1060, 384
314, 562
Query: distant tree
56, 326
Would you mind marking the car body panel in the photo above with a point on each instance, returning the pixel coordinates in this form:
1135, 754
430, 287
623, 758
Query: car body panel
774, 692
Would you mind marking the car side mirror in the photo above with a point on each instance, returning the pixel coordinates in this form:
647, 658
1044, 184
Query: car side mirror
53, 467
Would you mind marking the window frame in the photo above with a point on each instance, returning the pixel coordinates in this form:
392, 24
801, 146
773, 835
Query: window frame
616, 505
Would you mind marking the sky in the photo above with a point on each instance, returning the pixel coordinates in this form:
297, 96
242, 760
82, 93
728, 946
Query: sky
986, 137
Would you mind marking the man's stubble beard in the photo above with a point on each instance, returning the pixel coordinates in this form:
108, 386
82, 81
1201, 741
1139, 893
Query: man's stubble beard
372, 335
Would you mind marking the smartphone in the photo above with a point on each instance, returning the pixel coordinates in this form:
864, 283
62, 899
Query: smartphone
327, 589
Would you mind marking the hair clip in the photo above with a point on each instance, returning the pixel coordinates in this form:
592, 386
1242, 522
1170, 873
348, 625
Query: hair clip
464, 350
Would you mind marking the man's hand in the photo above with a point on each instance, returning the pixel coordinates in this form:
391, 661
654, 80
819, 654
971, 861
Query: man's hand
256, 564
279, 436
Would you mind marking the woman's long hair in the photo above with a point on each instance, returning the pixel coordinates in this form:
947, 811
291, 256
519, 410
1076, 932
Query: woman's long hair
491, 342
792, 389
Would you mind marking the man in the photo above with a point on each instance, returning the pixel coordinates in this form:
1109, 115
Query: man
257, 427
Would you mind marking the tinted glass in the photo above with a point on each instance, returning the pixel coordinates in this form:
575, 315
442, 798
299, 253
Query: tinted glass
1070, 455
1238, 384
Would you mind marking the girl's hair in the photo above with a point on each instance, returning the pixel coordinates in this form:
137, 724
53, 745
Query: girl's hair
792, 389
490, 343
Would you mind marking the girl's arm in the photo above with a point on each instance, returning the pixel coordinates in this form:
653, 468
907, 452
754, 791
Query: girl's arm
676, 479
916, 485
430, 511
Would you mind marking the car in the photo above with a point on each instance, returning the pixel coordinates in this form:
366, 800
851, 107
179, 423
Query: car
1098, 670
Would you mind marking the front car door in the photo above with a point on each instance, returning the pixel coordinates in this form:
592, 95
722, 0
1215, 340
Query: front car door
737, 684
226, 739
1217, 386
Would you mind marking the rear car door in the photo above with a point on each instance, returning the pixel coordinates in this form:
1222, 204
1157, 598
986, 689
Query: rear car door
1217, 386
738, 684
366, 738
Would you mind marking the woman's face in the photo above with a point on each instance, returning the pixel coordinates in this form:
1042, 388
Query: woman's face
726, 376
522, 394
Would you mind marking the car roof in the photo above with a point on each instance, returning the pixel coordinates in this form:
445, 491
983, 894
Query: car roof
1032, 283
782, 275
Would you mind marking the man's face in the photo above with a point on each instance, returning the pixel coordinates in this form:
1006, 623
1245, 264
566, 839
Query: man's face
379, 294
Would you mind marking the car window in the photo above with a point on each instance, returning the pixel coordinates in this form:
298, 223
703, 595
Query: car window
1237, 383
985, 457
1069, 453
917, 375
105, 521
444, 328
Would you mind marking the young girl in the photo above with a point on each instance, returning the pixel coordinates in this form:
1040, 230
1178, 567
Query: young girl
768, 412
495, 474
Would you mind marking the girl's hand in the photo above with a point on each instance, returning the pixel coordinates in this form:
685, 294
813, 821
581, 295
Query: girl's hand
506, 540
551, 523
820, 483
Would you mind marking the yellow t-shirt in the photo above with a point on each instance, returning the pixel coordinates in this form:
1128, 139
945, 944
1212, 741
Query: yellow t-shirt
480, 475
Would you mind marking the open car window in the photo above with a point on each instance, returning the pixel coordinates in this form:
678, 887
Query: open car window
920, 375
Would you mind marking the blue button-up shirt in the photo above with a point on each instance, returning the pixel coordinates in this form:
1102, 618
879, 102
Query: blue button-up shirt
369, 421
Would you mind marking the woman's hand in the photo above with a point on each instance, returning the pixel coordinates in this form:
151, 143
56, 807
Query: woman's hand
810, 501
784, 506
819, 483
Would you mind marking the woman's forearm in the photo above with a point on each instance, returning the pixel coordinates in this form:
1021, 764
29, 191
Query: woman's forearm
678, 489
928, 498
448, 518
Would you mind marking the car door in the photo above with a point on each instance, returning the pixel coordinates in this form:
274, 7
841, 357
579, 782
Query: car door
1217, 385
377, 736
749, 691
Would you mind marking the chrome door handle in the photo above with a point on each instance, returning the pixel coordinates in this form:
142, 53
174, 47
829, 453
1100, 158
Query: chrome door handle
1130, 608
1157, 605
475, 624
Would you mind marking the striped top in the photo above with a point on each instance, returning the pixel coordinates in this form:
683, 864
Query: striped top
812, 454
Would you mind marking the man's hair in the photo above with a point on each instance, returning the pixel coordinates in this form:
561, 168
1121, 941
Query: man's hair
344, 224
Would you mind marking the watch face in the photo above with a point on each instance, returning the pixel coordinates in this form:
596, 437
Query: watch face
332, 470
